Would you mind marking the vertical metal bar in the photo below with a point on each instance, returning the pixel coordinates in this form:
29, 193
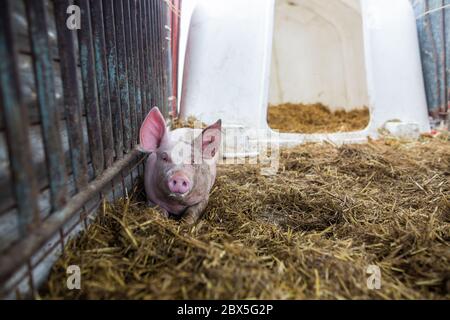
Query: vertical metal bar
147, 58
61, 240
102, 80
140, 35
111, 54
428, 29
175, 47
16, 124
45, 88
166, 56
168, 48
161, 57
158, 41
137, 63
130, 68
445, 65
90, 88
176, 54
152, 43
66, 47
122, 77
31, 278
164, 43
152, 53
447, 55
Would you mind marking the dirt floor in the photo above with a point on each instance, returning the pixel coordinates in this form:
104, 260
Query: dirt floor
311, 232
316, 118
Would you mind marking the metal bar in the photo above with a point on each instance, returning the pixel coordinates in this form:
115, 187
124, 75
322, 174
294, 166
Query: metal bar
428, 27
167, 56
16, 124
137, 63
152, 46
102, 80
447, 55
140, 35
175, 54
147, 56
152, 53
122, 73
44, 78
130, 68
68, 63
168, 50
90, 88
111, 53
158, 56
445, 66
17, 254
161, 56
164, 49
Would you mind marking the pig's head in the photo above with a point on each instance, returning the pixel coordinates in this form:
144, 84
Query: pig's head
181, 160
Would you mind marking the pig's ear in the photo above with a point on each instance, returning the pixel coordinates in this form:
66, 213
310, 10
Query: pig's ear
152, 131
211, 138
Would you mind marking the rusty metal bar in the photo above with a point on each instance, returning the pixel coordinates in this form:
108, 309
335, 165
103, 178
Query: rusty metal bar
17, 254
44, 78
131, 58
158, 59
66, 47
111, 54
16, 124
166, 56
165, 51
147, 56
90, 88
151, 44
137, 63
122, 77
446, 60
102, 80
140, 33
161, 56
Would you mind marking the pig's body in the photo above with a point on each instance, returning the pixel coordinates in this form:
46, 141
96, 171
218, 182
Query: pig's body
181, 167
204, 176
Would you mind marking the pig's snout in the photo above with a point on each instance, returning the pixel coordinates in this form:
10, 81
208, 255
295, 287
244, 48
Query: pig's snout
179, 184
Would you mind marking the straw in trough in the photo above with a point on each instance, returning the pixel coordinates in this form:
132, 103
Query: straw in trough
316, 118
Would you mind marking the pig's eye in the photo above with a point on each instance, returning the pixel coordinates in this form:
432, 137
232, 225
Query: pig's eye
165, 157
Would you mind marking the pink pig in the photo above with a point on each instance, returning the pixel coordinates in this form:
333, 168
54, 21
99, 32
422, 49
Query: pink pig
181, 168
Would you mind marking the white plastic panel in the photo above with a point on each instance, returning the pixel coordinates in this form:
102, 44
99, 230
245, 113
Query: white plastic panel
318, 54
229, 54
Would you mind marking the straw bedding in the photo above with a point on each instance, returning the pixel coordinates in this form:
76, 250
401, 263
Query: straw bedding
316, 118
309, 232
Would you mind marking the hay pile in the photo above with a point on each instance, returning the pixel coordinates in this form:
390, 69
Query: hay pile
316, 118
309, 232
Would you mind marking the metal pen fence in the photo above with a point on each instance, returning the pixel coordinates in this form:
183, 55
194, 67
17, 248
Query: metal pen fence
433, 25
71, 103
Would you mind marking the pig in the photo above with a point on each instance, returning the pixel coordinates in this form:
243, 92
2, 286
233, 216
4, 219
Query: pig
181, 167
